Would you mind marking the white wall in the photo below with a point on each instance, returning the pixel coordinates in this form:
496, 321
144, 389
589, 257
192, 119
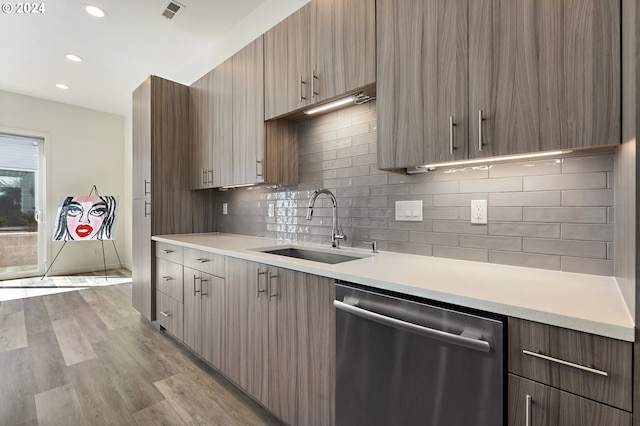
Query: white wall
83, 147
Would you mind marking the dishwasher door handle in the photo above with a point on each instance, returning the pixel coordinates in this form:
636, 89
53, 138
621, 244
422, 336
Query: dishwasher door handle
443, 336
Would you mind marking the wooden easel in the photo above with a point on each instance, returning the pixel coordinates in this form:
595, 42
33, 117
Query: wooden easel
94, 189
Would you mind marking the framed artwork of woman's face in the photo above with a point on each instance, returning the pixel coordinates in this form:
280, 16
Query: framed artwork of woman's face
83, 218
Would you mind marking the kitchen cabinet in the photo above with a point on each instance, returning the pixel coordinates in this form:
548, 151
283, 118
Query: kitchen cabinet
565, 377
203, 314
169, 288
323, 50
280, 340
232, 144
543, 76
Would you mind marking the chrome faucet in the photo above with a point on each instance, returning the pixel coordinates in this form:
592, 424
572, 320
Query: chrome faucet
335, 236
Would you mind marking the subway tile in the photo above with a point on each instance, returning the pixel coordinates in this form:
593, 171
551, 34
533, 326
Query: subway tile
375, 180
388, 213
317, 157
337, 163
443, 213
318, 138
356, 130
397, 190
370, 202
460, 174
337, 125
458, 227
566, 214
510, 184
587, 266
526, 168
593, 197
369, 223
446, 187
491, 242
419, 249
597, 180
321, 120
365, 137
353, 171
587, 232
360, 191
529, 260
461, 253
434, 238
427, 200
355, 110
592, 163
459, 200
591, 249
502, 214
424, 226
351, 151
525, 229
389, 235
611, 250
526, 199
362, 160
338, 183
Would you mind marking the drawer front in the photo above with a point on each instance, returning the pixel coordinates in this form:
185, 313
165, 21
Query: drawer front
169, 252
552, 407
204, 261
596, 367
169, 314
169, 279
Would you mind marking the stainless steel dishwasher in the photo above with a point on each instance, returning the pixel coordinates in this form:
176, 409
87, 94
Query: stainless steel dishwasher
403, 362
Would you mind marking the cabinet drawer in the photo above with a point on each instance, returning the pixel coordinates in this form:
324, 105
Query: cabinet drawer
169, 279
592, 366
169, 314
552, 407
204, 261
169, 252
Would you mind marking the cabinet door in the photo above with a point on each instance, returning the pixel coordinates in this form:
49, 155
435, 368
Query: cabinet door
552, 407
221, 105
286, 68
212, 311
192, 309
421, 82
342, 46
141, 125
545, 75
143, 292
248, 114
247, 330
201, 133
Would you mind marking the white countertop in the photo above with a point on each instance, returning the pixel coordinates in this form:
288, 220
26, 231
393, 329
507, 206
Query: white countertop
582, 302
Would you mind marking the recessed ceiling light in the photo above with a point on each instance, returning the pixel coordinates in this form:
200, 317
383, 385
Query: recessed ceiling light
74, 58
62, 86
94, 11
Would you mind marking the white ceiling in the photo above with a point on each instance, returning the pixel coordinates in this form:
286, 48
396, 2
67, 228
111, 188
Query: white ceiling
133, 41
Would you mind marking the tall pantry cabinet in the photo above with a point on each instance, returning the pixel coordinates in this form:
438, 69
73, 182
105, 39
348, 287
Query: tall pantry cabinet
161, 172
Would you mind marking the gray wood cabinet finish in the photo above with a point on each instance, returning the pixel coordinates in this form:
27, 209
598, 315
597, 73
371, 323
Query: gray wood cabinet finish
545, 74
422, 82
553, 407
201, 128
160, 145
323, 50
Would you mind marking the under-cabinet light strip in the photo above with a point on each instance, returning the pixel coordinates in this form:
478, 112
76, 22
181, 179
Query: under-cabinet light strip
494, 159
330, 105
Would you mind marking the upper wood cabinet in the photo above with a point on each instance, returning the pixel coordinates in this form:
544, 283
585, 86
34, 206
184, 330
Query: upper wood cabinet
541, 76
323, 50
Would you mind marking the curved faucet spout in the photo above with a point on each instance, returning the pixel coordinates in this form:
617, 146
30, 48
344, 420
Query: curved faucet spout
335, 236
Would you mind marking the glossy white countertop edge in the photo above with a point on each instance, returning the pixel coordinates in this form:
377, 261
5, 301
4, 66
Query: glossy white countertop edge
582, 302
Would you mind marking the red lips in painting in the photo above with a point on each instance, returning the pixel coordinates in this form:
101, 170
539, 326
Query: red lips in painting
84, 230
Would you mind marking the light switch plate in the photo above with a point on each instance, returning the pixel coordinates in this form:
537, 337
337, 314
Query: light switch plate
409, 211
479, 212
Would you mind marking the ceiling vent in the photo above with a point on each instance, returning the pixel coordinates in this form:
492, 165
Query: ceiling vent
172, 8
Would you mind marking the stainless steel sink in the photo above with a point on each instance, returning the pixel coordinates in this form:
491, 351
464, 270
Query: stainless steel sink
313, 255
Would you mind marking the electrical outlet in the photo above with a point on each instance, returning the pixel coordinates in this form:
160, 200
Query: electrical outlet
479, 212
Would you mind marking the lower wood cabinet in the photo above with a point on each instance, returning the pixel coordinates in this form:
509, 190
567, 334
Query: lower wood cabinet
280, 340
548, 406
170, 314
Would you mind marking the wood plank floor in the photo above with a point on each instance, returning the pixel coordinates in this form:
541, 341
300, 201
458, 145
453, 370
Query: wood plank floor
86, 357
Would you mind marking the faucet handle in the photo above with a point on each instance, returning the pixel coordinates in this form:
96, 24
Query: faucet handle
341, 236
374, 245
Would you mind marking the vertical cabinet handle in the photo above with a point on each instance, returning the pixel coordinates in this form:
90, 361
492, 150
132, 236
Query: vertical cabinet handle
147, 208
480, 120
204, 176
147, 183
273, 291
202, 293
314, 84
452, 124
302, 83
259, 168
195, 290
258, 282
210, 172
527, 410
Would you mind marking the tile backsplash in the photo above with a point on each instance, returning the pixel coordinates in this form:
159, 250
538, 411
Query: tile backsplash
552, 214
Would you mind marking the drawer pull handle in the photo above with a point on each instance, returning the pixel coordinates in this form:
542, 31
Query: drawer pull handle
527, 411
567, 363
164, 314
166, 251
202, 260
167, 278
